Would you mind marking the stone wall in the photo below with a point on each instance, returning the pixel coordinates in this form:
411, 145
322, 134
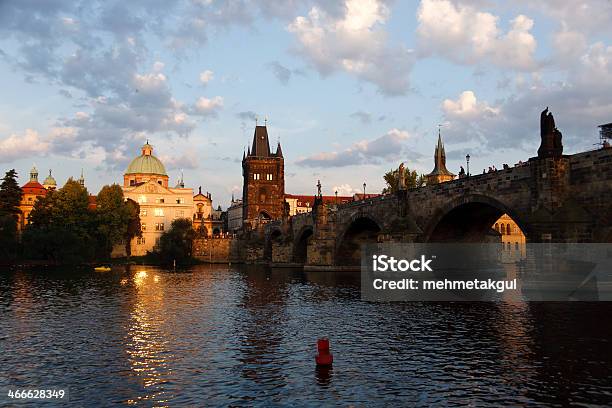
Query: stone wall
216, 250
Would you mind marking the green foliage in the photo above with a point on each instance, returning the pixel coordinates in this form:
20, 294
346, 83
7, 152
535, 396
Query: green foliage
10, 197
134, 229
62, 227
176, 244
112, 218
10, 194
412, 179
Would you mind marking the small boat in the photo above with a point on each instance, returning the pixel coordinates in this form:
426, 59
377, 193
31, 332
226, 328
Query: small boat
102, 268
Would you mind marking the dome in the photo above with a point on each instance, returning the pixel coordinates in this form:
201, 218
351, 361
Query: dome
146, 163
49, 181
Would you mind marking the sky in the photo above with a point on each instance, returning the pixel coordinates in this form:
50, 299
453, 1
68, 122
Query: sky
351, 88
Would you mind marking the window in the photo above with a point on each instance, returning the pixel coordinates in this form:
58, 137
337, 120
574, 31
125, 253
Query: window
508, 229
159, 212
159, 226
143, 226
269, 177
180, 200
180, 213
256, 176
140, 241
132, 182
159, 182
159, 200
142, 199
143, 212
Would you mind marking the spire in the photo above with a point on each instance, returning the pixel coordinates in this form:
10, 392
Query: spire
200, 190
243, 154
440, 160
248, 151
233, 197
279, 151
82, 178
261, 144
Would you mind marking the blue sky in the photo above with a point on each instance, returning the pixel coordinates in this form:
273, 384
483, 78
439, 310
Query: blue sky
352, 88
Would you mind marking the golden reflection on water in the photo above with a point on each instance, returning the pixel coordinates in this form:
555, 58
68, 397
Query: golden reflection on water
147, 340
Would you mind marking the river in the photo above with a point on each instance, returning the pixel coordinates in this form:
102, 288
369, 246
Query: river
223, 335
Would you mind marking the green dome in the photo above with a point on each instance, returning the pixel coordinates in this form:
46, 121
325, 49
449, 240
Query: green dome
49, 181
146, 163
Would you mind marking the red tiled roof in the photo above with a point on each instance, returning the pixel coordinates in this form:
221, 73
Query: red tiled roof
92, 202
308, 200
34, 187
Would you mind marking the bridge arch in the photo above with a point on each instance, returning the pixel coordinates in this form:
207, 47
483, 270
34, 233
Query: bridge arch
363, 228
469, 218
274, 235
300, 244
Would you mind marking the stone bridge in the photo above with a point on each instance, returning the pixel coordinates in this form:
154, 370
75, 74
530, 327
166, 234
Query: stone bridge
562, 199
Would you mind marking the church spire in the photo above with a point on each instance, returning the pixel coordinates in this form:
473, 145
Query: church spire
440, 173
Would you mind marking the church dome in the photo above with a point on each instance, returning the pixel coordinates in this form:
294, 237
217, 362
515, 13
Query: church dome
146, 163
49, 181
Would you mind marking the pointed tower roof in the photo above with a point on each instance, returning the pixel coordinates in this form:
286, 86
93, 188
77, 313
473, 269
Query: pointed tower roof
279, 151
440, 160
261, 144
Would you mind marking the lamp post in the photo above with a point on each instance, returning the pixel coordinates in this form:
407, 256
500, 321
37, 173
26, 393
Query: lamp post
467, 159
336, 193
364, 187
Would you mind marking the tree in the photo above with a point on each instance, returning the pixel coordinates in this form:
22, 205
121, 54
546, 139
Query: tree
113, 216
10, 198
412, 179
134, 228
62, 228
176, 244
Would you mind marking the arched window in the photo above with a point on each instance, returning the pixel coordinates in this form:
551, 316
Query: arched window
508, 229
497, 227
503, 229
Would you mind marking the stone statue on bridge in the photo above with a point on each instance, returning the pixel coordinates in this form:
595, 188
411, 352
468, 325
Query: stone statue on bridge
401, 177
550, 144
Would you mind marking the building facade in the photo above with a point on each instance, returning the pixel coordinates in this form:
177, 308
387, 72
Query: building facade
206, 220
146, 182
263, 189
234, 216
31, 191
299, 204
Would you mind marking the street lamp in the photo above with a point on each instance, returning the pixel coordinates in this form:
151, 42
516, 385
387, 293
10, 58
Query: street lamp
467, 159
336, 193
364, 186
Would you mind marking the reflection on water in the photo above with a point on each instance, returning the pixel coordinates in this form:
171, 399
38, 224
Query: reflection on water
218, 335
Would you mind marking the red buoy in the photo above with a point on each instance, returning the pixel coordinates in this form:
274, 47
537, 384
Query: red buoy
323, 357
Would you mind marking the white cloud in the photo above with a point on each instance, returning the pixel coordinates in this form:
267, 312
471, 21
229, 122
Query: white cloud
355, 43
208, 107
467, 106
345, 190
206, 76
466, 35
384, 148
18, 146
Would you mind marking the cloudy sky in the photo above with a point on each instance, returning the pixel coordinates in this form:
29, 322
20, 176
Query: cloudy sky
351, 88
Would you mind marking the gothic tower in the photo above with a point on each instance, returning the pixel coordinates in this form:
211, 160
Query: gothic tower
263, 172
440, 174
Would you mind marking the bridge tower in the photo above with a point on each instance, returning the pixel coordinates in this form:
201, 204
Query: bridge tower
263, 173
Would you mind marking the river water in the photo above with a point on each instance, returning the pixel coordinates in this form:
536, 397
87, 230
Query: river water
223, 335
